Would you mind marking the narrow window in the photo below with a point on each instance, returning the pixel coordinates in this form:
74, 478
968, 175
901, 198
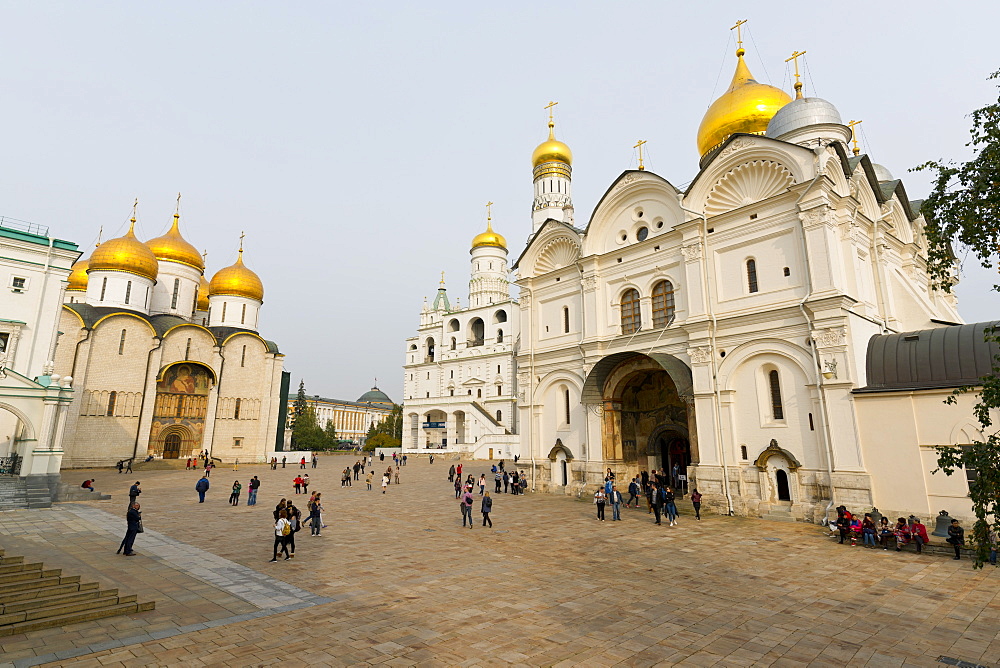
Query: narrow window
663, 304
224, 311
776, 408
743, 452
499, 336
104, 287
128, 291
243, 316
236, 410
499, 416
499, 390
565, 320
177, 291
498, 368
243, 357
566, 404
752, 275
631, 318
121, 344
453, 343
187, 350
112, 400
452, 374
811, 426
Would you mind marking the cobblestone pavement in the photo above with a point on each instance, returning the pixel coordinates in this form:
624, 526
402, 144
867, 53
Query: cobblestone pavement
396, 580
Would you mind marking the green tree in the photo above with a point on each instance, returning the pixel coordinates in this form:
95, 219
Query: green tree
964, 208
330, 434
380, 440
306, 432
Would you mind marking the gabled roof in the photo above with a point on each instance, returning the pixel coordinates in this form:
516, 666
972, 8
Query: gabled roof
614, 183
537, 233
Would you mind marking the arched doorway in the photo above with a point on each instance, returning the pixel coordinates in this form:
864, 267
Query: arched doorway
653, 421
180, 410
172, 446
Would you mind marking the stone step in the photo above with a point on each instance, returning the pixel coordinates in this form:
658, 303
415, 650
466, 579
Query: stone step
10, 560
19, 567
57, 600
60, 610
52, 589
39, 583
778, 517
73, 618
33, 574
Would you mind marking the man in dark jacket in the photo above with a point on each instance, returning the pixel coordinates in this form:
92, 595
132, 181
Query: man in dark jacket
201, 487
657, 499
254, 486
133, 493
134, 520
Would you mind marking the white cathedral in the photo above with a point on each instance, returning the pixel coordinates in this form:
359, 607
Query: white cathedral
771, 330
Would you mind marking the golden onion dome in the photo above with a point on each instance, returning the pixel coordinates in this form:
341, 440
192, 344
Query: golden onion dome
489, 238
237, 281
203, 291
126, 254
747, 106
551, 150
171, 247
78, 276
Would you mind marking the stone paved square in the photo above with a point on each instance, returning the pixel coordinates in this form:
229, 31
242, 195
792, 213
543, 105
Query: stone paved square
396, 580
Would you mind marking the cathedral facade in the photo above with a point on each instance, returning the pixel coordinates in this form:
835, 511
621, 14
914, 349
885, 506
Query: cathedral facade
165, 363
729, 332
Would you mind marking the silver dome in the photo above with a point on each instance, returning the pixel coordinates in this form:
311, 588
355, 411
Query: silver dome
802, 113
881, 173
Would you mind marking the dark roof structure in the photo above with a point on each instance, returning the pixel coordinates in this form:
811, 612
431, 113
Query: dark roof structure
161, 323
374, 396
943, 357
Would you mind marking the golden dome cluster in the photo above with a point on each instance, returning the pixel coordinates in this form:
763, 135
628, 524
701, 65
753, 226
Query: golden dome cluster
489, 238
78, 276
237, 281
172, 247
203, 290
747, 106
126, 254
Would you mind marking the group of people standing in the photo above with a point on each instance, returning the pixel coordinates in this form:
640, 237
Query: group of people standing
464, 490
661, 498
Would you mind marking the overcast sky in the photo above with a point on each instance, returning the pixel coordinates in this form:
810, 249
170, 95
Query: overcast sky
356, 143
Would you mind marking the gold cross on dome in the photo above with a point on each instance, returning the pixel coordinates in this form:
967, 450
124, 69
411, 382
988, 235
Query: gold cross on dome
489, 211
178, 209
442, 278
242, 235
549, 106
854, 133
639, 146
739, 32
798, 84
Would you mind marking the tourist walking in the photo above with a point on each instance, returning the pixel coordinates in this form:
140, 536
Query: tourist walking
482, 483
451, 473
506, 481
458, 471
283, 460
633, 493
515, 483
297, 484
234, 498
133, 520
616, 504
600, 499
696, 502
121, 466
498, 479
295, 521
487, 509
305, 484
133, 493
254, 485
671, 506
357, 468
368, 479
656, 500
315, 517
466, 504
385, 481
458, 488
302, 463
315, 460
201, 487
282, 530
956, 536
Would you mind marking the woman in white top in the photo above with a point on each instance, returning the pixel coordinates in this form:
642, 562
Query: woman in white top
282, 530
385, 481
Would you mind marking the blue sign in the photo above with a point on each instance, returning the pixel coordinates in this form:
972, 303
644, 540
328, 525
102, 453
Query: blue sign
434, 425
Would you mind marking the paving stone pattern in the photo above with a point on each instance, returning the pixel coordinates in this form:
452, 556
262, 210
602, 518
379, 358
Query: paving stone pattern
397, 580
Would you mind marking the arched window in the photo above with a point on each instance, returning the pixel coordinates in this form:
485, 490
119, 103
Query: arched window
454, 343
631, 318
500, 316
777, 410
477, 330
752, 275
177, 291
121, 344
663, 304
566, 404
499, 336
479, 393
453, 325
128, 291
499, 416
430, 350
112, 400
565, 320
236, 410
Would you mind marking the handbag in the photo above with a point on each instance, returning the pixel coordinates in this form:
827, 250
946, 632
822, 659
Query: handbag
139, 530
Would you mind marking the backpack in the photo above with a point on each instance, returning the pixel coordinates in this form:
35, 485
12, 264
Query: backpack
287, 529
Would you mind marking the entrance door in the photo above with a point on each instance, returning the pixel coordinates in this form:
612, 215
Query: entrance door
172, 446
782, 478
565, 472
491, 453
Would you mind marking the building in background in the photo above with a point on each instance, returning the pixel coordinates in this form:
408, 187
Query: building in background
34, 401
167, 364
351, 419
460, 375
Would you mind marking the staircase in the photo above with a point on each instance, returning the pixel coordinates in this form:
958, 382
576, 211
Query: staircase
32, 598
779, 512
13, 493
